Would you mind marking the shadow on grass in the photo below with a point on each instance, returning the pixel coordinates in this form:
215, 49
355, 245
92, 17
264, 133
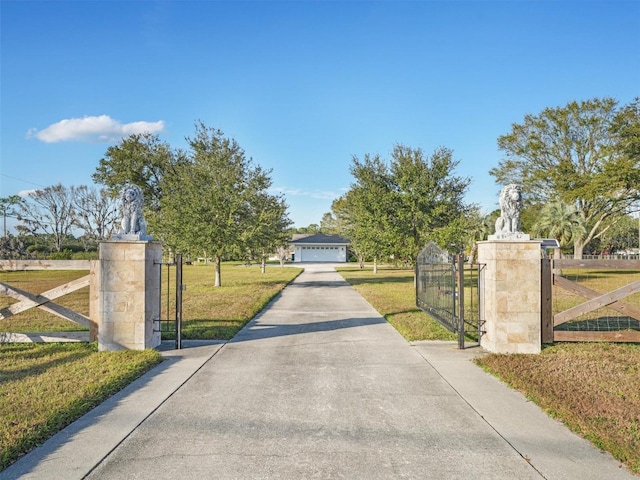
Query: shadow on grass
319, 284
75, 417
207, 329
408, 310
23, 353
379, 279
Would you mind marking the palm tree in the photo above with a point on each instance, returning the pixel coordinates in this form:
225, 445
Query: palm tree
561, 221
480, 228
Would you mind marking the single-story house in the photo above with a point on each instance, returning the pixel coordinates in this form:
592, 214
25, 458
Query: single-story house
319, 247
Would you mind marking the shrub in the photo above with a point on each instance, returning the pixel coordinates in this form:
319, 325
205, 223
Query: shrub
91, 255
61, 255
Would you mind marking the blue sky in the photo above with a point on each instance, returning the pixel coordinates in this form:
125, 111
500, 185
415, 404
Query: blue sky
301, 85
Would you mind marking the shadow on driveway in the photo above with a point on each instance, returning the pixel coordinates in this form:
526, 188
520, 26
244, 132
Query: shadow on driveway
261, 331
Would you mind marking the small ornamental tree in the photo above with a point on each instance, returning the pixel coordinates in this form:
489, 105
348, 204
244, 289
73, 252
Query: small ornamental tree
394, 208
213, 202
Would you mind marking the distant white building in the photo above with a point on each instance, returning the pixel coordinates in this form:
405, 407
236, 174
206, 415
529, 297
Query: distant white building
319, 248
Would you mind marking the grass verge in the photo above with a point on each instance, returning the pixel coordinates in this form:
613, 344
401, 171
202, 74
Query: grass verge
392, 294
593, 388
45, 387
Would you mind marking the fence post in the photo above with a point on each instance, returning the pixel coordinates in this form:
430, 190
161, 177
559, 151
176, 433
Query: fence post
179, 301
460, 301
94, 300
546, 305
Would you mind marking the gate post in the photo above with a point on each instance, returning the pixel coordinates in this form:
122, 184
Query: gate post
460, 292
128, 299
94, 300
179, 288
546, 306
511, 295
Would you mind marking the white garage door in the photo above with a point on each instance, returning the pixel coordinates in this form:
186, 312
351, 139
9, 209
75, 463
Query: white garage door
320, 254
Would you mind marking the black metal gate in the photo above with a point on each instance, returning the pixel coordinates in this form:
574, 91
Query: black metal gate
448, 289
170, 320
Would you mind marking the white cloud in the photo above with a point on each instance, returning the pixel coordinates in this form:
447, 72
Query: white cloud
26, 193
102, 128
317, 194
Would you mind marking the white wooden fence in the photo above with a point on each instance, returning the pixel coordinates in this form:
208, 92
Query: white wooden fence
44, 300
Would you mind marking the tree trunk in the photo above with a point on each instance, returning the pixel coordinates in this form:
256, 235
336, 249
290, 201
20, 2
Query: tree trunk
578, 247
474, 253
375, 264
218, 280
263, 267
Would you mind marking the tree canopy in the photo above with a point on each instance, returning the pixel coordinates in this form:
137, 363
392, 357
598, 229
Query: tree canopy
141, 159
210, 200
394, 208
96, 213
367, 209
584, 154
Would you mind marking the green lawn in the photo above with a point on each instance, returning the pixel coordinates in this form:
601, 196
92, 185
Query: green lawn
45, 387
594, 388
36, 282
392, 294
600, 281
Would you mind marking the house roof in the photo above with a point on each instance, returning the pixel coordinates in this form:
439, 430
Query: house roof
319, 238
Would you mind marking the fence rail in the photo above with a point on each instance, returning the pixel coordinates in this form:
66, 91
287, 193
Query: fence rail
22, 265
590, 300
44, 300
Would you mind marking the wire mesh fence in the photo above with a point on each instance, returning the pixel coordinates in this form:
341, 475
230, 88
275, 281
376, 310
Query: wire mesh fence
596, 296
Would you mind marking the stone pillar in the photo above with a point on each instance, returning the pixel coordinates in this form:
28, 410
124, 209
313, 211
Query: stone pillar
129, 295
511, 298
94, 300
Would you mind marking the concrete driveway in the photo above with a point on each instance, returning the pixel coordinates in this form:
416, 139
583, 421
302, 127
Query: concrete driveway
319, 385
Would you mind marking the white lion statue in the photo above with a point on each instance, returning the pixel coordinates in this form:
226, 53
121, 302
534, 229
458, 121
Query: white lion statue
510, 206
131, 199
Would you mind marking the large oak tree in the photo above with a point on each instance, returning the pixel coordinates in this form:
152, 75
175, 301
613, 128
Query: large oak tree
584, 154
